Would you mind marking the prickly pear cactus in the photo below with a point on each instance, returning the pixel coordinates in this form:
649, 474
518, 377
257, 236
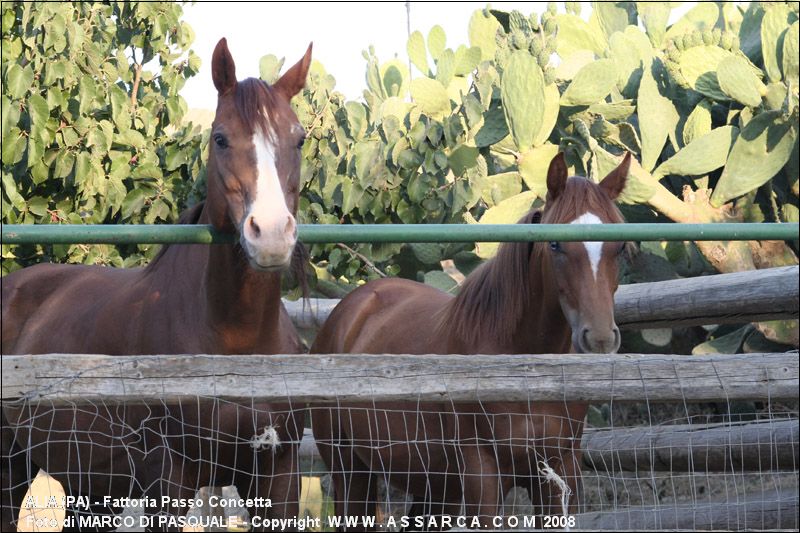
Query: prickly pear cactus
708, 105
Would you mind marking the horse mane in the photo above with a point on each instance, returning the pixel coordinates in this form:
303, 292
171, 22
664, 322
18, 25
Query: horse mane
493, 298
255, 103
188, 216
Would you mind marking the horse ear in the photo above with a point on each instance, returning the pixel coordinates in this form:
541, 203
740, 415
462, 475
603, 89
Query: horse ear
556, 177
616, 179
294, 80
223, 69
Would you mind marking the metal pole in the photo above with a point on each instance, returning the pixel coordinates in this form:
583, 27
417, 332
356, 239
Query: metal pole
408, 36
398, 233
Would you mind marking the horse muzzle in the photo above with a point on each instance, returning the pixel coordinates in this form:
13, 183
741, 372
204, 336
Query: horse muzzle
589, 340
269, 244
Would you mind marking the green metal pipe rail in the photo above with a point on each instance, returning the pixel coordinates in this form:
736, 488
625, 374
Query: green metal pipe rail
398, 233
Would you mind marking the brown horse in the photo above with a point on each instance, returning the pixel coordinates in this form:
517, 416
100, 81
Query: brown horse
531, 298
192, 299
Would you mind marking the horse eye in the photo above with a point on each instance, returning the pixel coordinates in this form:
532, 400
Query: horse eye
220, 140
555, 246
301, 142
621, 249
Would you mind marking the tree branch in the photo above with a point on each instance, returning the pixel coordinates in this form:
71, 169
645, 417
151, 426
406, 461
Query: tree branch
363, 258
137, 78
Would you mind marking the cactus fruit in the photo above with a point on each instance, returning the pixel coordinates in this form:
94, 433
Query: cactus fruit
708, 38
573, 7
673, 54
518, 40
549, 75
535, 46
550, 45
543, 58
550, 25
581, 129
726, 41
716, 36
674, 71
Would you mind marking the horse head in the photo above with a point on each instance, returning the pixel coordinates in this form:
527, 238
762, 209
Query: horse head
586, 273
254, 160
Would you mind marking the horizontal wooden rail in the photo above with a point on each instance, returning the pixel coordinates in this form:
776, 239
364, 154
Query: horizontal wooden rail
738, 297
427, 378
773, 510
378, 233
770, 445
741, 297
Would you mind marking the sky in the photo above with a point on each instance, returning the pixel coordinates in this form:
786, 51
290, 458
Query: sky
340, 32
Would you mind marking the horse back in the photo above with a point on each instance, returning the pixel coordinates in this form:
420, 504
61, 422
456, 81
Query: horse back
46, 305
390, 315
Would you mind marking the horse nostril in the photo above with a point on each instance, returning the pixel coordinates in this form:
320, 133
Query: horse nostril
585, 346
617, 339
291, 227
254, 227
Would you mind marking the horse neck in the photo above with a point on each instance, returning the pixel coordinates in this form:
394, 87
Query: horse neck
236, 295
542, 326
508, 306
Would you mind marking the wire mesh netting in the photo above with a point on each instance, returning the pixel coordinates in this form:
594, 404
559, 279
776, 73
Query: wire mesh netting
191, 461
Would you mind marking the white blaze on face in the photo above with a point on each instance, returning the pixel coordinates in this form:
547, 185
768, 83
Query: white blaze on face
594, 249
269, 198
269, 228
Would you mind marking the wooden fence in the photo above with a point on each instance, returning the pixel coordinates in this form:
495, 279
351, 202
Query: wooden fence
740, 297
770, 445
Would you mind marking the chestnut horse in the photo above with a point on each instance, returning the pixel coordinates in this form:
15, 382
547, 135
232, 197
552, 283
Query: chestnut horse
191, 299
530, 298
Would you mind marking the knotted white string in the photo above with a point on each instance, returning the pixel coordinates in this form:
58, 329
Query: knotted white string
550, 475
269, 438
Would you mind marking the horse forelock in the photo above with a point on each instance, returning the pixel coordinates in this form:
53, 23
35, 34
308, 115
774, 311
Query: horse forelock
256, 106
581, 196
493, 299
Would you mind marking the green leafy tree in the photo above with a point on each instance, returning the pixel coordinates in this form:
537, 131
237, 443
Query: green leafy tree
91, 113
